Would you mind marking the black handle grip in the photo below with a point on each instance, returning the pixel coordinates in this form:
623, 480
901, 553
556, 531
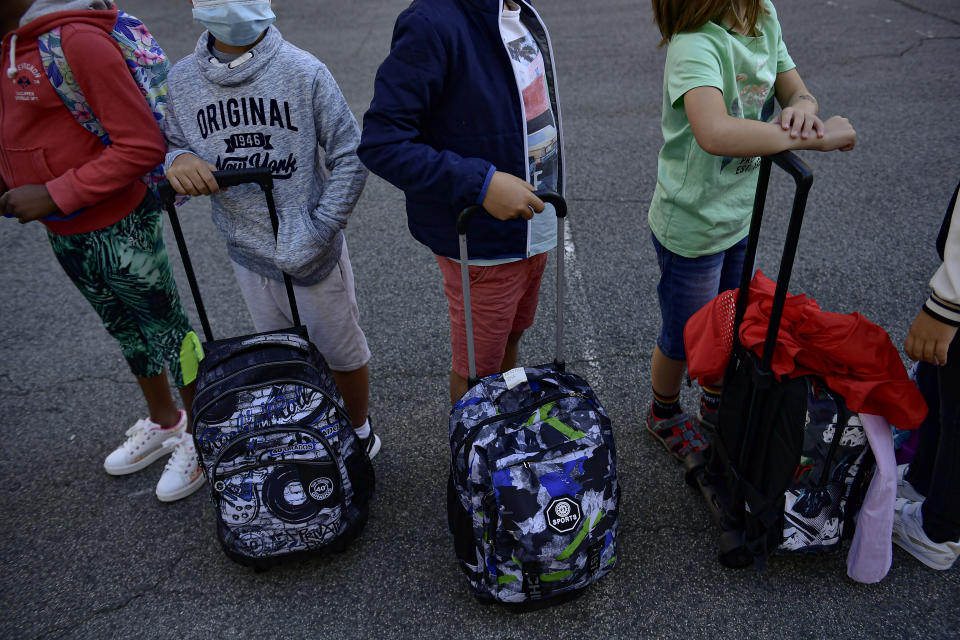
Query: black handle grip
549, 197
803, 177
793, 165
226, 178
263, 177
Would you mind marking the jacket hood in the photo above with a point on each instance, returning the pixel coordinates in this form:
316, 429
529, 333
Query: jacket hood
44, 15
223, 74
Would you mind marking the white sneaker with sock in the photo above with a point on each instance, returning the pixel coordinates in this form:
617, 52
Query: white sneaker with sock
909, 535
142, 446
182, 475
369, 440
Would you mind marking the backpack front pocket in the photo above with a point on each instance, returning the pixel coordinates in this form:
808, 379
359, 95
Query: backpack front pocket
278, 492
544, 520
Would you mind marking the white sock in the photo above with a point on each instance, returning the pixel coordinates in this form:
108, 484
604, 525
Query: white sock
363, 431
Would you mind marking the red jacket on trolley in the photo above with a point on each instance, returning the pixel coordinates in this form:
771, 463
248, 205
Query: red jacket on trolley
854, 356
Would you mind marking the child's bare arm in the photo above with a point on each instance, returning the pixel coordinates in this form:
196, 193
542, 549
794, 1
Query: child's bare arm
799, 107
720, 134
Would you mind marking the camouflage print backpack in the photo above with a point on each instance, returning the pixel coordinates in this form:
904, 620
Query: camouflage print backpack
533, 501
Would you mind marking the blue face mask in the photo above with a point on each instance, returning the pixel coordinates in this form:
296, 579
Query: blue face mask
236, 24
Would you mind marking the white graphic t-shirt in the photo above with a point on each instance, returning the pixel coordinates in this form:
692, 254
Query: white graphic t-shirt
542, 144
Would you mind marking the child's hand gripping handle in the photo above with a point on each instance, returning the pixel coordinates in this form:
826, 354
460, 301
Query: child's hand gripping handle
261, 176
227, 178
463, 223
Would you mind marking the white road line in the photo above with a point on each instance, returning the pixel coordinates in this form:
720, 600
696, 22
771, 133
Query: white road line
577, 306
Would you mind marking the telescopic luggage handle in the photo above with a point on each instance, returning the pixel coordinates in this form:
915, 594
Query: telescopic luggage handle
228, 178
463, 223
803, 177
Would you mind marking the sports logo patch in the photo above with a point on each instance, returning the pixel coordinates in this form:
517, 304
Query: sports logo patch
563, 514
321, 488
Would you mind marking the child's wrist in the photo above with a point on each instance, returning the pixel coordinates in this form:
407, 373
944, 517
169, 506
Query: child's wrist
806, 102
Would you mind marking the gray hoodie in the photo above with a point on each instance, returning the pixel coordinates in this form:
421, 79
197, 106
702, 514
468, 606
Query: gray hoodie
272, 109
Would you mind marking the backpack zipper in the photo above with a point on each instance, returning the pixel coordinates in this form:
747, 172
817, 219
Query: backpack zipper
276, 382
472, 432
317, 435
251, 367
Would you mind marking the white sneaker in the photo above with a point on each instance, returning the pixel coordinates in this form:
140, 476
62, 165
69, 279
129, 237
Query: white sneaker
904, 488
182, 475
142, 447
909, 535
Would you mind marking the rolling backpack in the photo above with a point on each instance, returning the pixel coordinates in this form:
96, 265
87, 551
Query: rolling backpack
287, 474
146, 61
789, 464
797, 484
532, 496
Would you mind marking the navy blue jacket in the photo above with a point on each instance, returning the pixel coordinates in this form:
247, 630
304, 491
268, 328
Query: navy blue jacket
447, 113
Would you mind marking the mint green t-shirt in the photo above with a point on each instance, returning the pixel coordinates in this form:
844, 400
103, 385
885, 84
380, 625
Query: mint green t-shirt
702, 203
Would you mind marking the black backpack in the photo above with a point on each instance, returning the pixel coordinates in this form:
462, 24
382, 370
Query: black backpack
789, 464
287, 473
796, 481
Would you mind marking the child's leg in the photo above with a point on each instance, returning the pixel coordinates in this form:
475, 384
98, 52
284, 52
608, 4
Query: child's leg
666, 373
686, 284
503, 301
510, 352
148, 290
730, 273
941, 509
354, 386
921, 468
156, 391
124, 273
99, 264
329, 311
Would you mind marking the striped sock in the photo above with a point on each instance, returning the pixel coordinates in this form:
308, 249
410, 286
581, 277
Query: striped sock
664, 407
709, 399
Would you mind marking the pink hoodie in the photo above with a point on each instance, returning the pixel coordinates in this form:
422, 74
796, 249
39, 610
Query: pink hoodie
42, 143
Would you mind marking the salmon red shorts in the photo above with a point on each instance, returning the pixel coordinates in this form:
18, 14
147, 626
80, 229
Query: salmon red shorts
504, 300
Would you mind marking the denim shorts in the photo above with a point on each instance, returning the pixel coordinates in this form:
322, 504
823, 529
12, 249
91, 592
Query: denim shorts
687, 284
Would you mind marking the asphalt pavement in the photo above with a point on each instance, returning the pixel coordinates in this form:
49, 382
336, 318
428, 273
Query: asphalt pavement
87, 555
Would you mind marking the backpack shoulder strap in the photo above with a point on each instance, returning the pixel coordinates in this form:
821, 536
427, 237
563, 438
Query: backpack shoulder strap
65, 84
147, 62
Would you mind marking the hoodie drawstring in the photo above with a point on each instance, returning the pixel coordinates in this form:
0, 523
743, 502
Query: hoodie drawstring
12, 69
